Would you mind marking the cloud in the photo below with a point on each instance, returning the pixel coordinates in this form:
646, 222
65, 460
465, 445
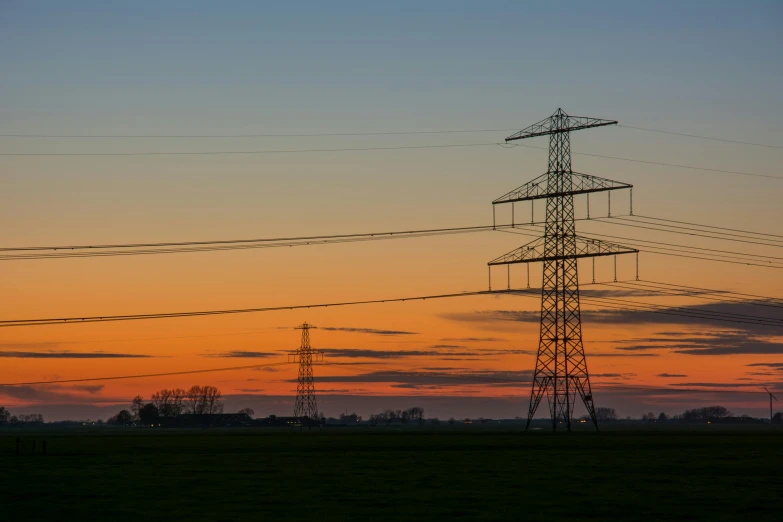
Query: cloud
696, 315
717, 384
671, 375
618, 354
70, 355
245, 354
269, 369
771, 365
614, 375
472, 339
719, 342
436, 378
449, 354
445, 346
51, 393
372, 331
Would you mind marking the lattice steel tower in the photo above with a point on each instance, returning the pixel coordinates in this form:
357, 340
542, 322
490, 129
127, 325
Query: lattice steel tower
561, 367
305, 405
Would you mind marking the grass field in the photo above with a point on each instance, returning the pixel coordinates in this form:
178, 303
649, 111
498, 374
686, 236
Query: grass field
375, 474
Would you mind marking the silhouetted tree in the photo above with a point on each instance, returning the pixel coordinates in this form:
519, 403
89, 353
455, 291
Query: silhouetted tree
170, 403
662, 417
414, 414
30, 418
777, 418
123, 418
248, 411
648, 417
204, 400
388, 416
148, 414
5, 415
605, 414
136, 405
705, 414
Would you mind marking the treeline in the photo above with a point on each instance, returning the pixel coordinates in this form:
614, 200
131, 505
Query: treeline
387, 417
695, 415
706, 414
196, 400
7, 418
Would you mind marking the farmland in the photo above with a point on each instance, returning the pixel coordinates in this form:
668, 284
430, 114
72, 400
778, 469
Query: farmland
378, 474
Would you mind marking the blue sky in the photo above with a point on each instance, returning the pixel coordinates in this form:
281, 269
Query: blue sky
250, 65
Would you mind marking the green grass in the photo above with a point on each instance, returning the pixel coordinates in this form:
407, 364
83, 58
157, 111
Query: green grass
374, 474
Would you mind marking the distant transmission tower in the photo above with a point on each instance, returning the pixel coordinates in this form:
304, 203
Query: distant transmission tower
305, 405
561, 367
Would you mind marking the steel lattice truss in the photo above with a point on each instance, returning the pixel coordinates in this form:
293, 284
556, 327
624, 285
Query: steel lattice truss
305, 405
561, 367
580, 184
536, 251
559, 123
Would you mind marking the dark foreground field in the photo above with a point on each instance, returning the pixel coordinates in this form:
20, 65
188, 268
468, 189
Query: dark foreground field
372, 474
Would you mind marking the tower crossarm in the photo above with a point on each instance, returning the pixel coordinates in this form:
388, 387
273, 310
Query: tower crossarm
557, 123
314, 355
534, 251
580, 184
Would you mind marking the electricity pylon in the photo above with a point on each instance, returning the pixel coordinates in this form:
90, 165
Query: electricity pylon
305, 405
561, 367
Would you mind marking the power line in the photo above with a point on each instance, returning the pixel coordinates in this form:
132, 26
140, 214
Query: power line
141, 376
702, 312
358, 149
698, 294
261, 135
724, 140
643, 308
239, 241
701, 233
683, 312
624, 304
610, 303
227, 245
135, 317
129, 249
246, 152
647, 162
466, 379
701, 248
96, 250
756, 296
349, 134
235, 241
667, 251
750, 232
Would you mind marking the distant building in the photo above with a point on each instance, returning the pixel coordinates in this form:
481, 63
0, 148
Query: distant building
275, 421
215, 420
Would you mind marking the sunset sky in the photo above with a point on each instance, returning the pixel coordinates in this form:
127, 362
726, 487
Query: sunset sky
193, 68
